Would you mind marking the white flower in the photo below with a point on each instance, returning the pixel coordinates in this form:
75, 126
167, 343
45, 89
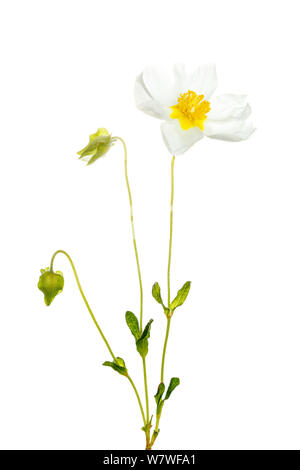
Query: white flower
185, 104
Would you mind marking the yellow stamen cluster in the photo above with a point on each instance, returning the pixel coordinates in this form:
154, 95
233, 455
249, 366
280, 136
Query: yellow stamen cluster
190, 110
192, 106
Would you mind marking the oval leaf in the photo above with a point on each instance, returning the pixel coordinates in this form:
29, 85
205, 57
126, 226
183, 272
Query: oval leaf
174, 382
142, 342
133, 324
181, 296
117, 366
156, 293
159, 393
146, 332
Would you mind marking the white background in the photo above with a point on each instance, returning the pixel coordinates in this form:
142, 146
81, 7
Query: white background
68, 67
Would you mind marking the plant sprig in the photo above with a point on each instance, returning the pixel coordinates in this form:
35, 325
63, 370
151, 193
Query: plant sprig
51, 284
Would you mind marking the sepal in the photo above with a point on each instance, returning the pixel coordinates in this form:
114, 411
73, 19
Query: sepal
99, 144
51, 284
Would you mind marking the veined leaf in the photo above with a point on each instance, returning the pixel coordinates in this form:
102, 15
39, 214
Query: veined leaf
120, 362
159, 393
142, 342
181, 296
146, 332
160, 407
157, 295
118, 366
133, 324
174, 382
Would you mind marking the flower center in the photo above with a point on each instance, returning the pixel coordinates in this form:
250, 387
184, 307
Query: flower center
190, 110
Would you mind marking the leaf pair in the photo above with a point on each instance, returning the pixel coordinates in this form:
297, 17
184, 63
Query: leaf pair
141, 339
177, 302
118, 365
174, 382
147, 426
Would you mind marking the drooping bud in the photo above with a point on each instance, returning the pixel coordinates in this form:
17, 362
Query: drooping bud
50, 283
99, 145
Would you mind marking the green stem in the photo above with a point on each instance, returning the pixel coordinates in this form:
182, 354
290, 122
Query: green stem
84, 298
170, 313
138, 268
138, 398
171, 229
146, 389
95, 321
156, 430
169, 269
164, 350
133, 233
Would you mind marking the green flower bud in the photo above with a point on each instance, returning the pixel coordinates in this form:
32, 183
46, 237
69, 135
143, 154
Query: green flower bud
50, 283
99, 145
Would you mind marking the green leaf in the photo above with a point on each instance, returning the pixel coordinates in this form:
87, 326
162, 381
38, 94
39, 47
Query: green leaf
142, 347
159, 407
157, 295
133, 324
118, 366
120, 362
146, 332
174, 382
181, 296
159, 393
142, 342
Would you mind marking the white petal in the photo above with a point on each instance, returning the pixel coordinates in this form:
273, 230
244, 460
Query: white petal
146, 103
180, 77
176, 139
230, 129
203, 80
164, 83
229, 106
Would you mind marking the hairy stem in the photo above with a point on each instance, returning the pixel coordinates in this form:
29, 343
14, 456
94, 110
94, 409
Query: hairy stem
138, 269
138, 398
146, 389
171, 229
95, 321
169, 270
133, 233
164, 350
169, 315
84, 298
